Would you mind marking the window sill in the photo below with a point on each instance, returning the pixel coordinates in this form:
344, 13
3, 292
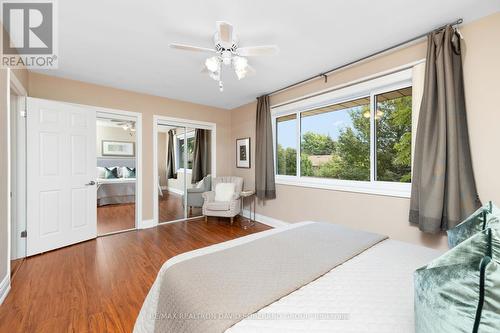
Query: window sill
182, 171
399, 190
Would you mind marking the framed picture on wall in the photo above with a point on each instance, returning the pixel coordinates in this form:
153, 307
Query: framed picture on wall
118, 148
243, 153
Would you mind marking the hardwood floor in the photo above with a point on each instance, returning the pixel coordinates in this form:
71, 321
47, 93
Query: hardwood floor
14, 266
100, 285
170, 208
112, 218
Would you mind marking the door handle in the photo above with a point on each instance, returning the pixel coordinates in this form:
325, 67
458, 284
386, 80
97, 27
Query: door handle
91, 183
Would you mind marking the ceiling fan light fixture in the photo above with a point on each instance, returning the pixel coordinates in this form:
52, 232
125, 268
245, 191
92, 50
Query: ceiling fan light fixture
212, 64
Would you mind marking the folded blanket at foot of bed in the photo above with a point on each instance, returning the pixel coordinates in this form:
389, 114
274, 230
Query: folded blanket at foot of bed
212, 292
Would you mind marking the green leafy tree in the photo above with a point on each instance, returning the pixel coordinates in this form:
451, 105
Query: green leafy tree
317, 144
287, 160
394, 140
350, 153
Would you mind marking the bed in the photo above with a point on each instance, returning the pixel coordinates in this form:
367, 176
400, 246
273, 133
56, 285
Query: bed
368, 288
115, 190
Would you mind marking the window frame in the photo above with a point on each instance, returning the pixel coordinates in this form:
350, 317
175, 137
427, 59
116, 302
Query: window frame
368, 88
177, 137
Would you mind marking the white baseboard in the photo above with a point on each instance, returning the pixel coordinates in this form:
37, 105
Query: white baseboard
4, 287
270, 221
145, 224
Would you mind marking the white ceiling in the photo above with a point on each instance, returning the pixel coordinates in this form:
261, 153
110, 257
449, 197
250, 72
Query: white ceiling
124, 43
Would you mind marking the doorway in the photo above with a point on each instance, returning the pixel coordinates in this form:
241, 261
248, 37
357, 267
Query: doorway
116, 173
62, 171
17, 177
185, 164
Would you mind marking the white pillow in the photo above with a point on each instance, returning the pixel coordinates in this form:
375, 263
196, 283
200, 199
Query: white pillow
224, 191
101, 172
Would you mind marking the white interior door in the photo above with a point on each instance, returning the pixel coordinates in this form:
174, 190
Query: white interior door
61, 174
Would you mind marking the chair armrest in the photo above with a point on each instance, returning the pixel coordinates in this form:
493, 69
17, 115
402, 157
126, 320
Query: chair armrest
208, 196
235, 196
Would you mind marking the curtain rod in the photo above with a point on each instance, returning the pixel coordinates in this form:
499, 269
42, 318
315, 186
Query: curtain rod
325, 74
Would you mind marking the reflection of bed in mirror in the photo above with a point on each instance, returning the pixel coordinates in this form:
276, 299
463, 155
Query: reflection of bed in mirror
115, 190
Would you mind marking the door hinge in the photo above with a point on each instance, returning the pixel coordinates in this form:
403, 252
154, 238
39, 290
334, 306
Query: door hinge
24, 234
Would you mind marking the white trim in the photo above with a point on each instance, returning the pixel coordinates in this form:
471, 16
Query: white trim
267, 220
377, 85
8, 190
17, 87
146, 224
180, 122
137, 117
391, 189
4, 287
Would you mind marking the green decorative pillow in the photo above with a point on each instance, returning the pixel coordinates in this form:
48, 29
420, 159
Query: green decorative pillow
460, 290
484, 217
128, 172
110, 173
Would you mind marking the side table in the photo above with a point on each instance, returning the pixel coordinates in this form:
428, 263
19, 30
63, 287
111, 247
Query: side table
245, 195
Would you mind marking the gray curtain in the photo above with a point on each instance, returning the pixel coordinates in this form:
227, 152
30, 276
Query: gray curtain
443, 186
170, 156
201, 155
264, 162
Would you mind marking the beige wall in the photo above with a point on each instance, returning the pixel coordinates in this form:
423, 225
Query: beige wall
48, 87
111, 133
389, 215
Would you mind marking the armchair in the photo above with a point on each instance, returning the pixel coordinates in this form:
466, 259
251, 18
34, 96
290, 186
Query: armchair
194, 195
229, 208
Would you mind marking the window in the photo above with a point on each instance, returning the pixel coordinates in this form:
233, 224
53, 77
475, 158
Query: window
286, 145
393, 134
335, 141
180, 151
356, 139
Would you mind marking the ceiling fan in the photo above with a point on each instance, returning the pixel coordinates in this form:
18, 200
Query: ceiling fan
227, 52
125, 125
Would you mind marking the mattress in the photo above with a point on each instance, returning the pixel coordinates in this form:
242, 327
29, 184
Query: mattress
115, 181
115, 191
372, 292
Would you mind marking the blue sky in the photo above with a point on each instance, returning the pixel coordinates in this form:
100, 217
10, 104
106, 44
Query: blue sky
329, 123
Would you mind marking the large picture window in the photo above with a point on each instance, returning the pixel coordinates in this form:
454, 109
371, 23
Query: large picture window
359, 139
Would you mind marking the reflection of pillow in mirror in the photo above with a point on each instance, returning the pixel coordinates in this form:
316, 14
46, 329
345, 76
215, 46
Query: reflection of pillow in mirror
459, 291
224, 191
111, 173
484, 217
101, 172
128, 172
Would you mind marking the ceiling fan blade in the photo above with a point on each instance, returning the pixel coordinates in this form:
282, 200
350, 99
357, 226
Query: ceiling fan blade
185, 47
254, 51
225, 32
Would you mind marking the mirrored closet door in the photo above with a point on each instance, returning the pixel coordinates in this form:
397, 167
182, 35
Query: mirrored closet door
184, 164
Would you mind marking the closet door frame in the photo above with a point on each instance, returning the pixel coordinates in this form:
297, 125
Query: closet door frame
159, 120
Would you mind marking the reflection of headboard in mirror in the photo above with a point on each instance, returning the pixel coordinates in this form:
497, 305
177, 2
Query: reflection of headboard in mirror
117, 161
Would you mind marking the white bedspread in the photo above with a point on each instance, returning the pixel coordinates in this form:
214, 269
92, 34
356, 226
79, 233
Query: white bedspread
374, 290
